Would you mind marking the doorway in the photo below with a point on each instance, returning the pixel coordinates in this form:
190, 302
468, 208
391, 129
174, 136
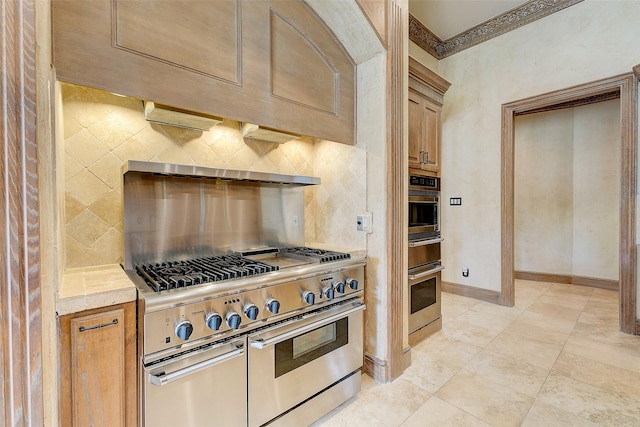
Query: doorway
626, 88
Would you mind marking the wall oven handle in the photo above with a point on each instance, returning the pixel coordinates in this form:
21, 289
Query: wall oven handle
426, 273
261, 344
164, 379
416, 243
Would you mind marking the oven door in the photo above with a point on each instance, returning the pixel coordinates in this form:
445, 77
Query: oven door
197, 389
423, 251
293, 362
423, 214
424, 296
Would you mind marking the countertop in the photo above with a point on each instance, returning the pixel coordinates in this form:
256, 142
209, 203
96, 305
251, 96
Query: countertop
94, 287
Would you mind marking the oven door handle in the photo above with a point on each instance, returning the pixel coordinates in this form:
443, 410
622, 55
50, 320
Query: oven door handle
416, 243
261, 343
164, 379
426, 273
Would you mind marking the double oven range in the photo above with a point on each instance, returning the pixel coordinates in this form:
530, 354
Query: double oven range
238, 324
424, 256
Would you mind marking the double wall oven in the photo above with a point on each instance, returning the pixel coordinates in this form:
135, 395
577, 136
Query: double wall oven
424, 254
239, 324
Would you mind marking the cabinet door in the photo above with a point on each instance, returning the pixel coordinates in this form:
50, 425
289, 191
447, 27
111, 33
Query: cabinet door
98, 369
416, 131
431, 159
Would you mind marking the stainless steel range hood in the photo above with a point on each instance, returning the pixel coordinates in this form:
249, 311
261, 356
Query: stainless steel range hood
225, 174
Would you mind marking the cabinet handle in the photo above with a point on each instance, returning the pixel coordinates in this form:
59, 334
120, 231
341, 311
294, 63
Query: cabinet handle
102, 325
421, 159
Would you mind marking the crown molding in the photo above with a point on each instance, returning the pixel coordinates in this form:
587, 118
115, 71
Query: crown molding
501, 24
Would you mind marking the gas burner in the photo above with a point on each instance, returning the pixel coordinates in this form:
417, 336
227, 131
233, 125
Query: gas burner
316, 255
179, 274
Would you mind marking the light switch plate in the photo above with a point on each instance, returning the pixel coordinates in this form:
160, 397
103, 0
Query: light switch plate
455, 201
364, 222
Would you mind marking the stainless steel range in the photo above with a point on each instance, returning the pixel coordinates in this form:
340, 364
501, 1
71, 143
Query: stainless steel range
239, 323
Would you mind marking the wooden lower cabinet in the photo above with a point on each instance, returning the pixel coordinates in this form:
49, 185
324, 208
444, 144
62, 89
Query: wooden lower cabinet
98, 367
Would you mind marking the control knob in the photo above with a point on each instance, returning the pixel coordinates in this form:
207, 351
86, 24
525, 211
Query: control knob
309, 297
273, 305
329, 292
184, 330
340, 287
353, 283
251, 311
213, 321
233, 320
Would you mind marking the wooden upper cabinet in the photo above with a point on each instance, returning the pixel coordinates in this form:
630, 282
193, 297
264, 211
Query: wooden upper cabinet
272, 63
426, 95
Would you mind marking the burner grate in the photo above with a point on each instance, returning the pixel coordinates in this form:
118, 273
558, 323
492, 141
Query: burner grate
179, 274
318, 255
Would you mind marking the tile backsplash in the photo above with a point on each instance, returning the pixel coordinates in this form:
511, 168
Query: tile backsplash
103, 130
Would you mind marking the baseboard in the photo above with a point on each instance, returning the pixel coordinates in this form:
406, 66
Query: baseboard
487, 295
612, 285
542, 277
376, 368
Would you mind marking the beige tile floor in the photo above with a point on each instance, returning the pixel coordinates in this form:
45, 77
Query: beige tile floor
555, 359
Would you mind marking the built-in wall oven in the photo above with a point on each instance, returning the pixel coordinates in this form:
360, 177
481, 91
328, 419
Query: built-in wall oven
424, 261
424, 204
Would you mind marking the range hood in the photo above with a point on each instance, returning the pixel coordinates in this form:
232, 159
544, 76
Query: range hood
172, 116
262, 133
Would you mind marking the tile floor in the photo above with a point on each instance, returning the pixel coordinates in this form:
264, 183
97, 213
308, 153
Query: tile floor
555, 359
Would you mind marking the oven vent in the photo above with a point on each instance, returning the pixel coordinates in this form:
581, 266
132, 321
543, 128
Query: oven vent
172, 116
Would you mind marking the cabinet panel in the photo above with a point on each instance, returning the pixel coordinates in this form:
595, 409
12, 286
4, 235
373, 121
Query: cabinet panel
416, 131
166, 35
289, 72
431, 113
97, 369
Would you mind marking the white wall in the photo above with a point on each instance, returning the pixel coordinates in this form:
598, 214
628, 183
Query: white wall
585, 42
567, 191
596, 195
543, 214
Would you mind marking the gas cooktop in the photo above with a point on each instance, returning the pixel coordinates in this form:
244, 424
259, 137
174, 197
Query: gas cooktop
184, 273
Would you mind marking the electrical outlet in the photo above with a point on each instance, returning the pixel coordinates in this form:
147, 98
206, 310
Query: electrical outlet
465, 271
364, 222
455, 201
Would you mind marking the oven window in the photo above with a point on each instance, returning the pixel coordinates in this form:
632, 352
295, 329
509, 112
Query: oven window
300, 350
421, 214
423, 295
